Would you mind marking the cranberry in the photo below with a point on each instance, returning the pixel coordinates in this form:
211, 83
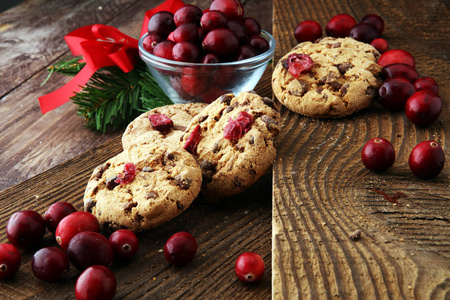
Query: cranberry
308, 30
10, 260
239, 30
399, 70
56, 212
259, 43
170, 37
212, 20
232, 9
249, 267
380, 44
210, 58
394, 92
125, 244
426, 83
50, 264
340, 25
246, 121
164, 49
201, 33
161, 24
150, 41
378, 155
161, 122
220, 41
96, 282
427, 160
363, 32
233, 130
253, 26
374, 20
212, 94
297, 64
186, 33
245, 51
25, 229
186, 52
193, 82
423, 108
175, 82
180, 248
193, 139
396, 56
89, 248
73, 224
187, 14
129, 171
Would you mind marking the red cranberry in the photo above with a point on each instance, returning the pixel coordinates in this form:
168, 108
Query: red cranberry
245, 51
297, 64
56, 212
10, 260
395, 56
164, 49
374, 20
201, 33
253, 26
125, 244
25, 229
427, 160
340, 25
378, 155
186, 33
186, 52
399, 70
246, 121
212, 94
89, 248
180, 248
233, 130
380, 44
239, 30
249, 267
175, 83
220, 41
423, 108
187, 14
50, 264
363, 32
150, 41
394, 92
193, 139
129, 171
161, 122
210, 58
308, 30
73, 224
212, 20
194, 83
170, 37
233, 9
259, 43
426, 83
96, 282
161, 24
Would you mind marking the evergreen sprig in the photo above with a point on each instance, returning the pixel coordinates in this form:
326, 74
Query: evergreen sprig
112, 99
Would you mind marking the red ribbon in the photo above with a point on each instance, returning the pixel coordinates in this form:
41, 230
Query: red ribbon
101, 46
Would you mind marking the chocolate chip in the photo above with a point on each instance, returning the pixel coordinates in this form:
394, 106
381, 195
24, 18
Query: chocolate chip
111, 183
269, 102
335, 85
128, 206
138, 218
319, 90
207, 165
370, 90
271, 124
95, 191
344, 67
151, 195
336, 45
325, 96
304, 87
184, 183
284, 63
147, 169
170, 156
251, 140
225, 99
228, 109
180, 206
101, 170
344, 89
90, 204
216, 147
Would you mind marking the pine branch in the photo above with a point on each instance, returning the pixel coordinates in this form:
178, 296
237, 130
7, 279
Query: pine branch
69, 67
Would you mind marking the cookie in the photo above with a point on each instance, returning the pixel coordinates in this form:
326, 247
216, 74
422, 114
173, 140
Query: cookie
343, 79
167, 179
229, 166
180, 114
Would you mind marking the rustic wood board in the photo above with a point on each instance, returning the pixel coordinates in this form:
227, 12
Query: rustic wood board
322, 192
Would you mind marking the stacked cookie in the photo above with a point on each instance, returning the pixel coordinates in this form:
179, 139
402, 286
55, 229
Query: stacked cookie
343, 79
209, 152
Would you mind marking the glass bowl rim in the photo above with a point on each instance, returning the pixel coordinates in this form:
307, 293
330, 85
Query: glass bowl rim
260, 58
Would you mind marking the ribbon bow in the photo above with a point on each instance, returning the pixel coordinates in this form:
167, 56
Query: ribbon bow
101, 46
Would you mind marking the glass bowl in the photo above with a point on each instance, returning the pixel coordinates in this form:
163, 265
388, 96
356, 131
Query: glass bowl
195, 82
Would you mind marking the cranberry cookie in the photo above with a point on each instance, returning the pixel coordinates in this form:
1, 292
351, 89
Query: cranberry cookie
232, 140
179, 114
343, 78
141, 192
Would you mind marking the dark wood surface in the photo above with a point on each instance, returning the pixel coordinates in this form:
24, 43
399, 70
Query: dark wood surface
321, 192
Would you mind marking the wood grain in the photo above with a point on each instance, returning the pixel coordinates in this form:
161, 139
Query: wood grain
322, 193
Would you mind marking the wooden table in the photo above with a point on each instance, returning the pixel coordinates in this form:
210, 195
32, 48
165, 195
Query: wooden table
297, 217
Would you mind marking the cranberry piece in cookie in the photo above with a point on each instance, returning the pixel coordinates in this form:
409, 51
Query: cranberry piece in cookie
298, 64
161, 122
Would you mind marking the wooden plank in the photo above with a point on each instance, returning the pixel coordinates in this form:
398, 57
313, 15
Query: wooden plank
322, 192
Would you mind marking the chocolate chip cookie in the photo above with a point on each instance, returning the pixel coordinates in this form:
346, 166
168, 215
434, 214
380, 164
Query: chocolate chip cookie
232, 140
343, 79
143, 191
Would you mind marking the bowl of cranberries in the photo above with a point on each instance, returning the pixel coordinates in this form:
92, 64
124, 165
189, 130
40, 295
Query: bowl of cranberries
197, 55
